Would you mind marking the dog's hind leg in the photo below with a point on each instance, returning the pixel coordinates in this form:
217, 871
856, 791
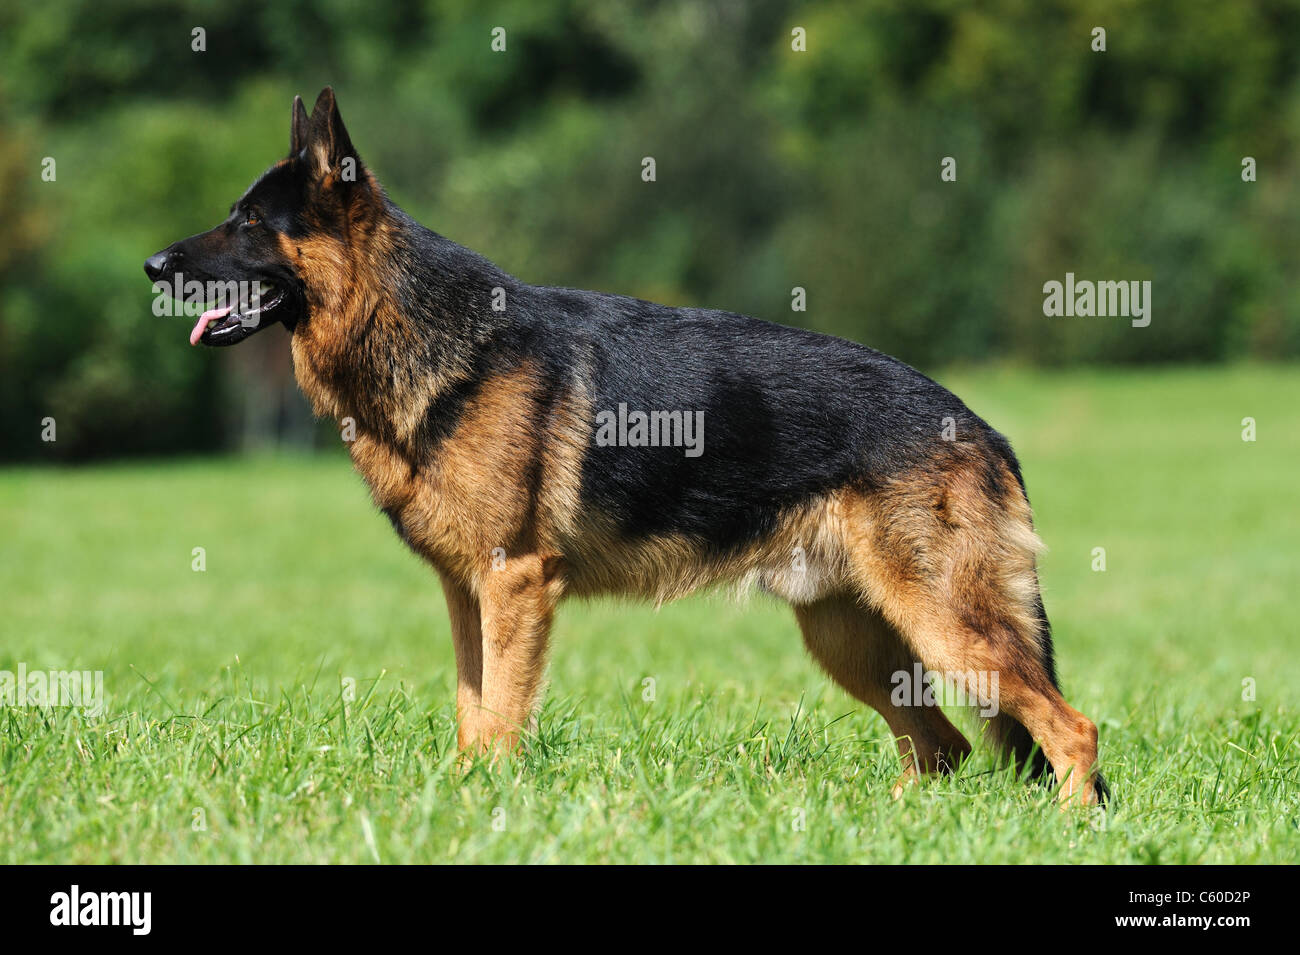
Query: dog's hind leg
1008, 735
864, 654
947, 555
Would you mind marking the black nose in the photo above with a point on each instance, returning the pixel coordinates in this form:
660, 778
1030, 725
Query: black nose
160, 263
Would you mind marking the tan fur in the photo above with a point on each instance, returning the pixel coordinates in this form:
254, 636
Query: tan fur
468, 511
344, 316
953, 570
470, 505
467, 639
802, 560
519, 600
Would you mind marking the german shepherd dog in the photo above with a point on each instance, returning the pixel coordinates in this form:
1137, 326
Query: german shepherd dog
533, 443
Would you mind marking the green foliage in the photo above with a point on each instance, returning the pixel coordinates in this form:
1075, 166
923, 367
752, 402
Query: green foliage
776, 169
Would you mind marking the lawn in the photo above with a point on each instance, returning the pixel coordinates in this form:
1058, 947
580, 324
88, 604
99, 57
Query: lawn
293, 701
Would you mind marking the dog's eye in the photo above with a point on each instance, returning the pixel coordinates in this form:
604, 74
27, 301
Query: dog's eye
252, 219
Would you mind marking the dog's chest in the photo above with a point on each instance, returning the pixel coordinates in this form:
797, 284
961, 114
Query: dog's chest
307, 371
457, 509
412, 497
496, 482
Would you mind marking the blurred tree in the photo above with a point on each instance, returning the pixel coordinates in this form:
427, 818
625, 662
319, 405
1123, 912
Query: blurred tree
777, 168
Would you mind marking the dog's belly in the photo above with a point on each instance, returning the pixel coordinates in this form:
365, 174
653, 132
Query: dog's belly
801, 560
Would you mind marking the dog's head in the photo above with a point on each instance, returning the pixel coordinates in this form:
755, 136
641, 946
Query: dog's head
249, 272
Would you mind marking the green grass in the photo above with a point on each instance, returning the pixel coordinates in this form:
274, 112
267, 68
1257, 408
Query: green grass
224, 686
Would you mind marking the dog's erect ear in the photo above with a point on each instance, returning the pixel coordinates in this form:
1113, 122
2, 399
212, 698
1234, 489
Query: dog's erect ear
298, 127
329, 149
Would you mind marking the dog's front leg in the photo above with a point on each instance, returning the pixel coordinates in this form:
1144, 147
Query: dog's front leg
518, 599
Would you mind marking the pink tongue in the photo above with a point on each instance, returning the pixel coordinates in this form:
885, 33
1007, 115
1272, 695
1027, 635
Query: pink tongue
211, 315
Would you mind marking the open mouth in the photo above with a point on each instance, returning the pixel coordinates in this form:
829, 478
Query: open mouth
228, 324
